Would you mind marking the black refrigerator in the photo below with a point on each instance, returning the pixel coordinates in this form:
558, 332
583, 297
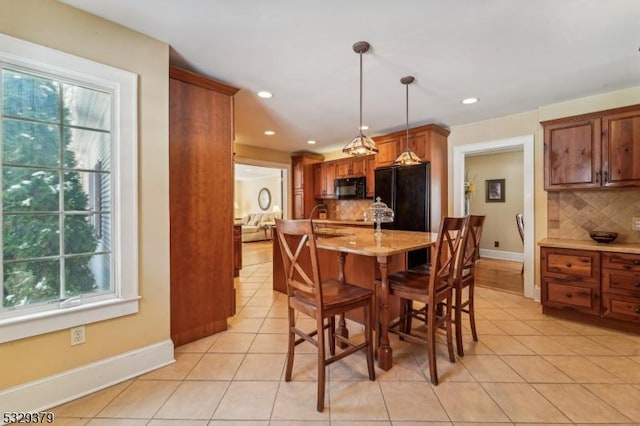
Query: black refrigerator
405, 189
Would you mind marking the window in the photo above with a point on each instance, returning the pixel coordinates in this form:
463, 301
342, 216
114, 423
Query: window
68, 200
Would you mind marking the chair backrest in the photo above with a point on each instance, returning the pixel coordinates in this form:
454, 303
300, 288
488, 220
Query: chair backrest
299, 256
520, 223
472, 243
448, 255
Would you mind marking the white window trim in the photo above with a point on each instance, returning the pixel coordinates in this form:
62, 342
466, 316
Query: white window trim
125, 188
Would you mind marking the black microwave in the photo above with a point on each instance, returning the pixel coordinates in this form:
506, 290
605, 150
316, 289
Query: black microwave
350, 188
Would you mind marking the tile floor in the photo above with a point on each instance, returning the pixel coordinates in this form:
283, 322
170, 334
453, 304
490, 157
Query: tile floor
527, 369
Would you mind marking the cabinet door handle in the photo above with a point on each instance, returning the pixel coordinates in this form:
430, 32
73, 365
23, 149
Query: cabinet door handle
569, 295
638, 310
636, 262
568, 265
636, 284
606, 177
597, 177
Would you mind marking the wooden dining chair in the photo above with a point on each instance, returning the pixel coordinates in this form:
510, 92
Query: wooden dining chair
433, 289
465, 279
321, 299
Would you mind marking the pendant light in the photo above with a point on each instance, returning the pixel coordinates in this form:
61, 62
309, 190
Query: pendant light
407, 157
361, 144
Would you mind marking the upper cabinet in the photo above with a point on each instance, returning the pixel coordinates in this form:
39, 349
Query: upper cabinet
597, 150
426, 141
324, 175
351, 167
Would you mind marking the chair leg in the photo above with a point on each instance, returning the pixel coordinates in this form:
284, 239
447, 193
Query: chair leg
321, 364
369, 336
458, 321
472, 313
431, 344
332, 336
447, 322
291, 346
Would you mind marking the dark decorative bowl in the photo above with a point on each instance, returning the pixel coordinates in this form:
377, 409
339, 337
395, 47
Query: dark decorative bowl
603, 236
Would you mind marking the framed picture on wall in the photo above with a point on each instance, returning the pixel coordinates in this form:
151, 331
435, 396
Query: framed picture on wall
494, 191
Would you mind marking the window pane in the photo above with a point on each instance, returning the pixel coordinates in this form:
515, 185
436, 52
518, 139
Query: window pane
26, 283
79, 235
87, 107
86, 191
30, 236
28, 96
29, 190
29, 143
86, 274
89, 149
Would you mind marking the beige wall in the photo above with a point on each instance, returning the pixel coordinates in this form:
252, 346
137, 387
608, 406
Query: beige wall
61, 27
500, 224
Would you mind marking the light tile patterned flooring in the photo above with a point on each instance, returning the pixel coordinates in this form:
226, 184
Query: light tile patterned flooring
527, 369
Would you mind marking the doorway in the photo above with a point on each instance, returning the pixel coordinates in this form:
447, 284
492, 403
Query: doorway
520, 142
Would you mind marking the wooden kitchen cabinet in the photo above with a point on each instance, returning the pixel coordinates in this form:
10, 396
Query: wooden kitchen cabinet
598, 286
570, 279
303, 183
324, 174
200, 205
371, 181
596, 150
621, 286
427, 142
351, 167
237, 250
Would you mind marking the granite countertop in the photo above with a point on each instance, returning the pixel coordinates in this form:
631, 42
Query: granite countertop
632, 248
340, 222
360, 240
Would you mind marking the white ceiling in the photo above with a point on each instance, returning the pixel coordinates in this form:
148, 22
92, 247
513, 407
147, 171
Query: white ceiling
515, 55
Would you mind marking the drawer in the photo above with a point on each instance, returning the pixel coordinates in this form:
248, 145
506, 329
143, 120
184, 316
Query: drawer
622, 261
584, 298
621, 307
564, 263
621, 282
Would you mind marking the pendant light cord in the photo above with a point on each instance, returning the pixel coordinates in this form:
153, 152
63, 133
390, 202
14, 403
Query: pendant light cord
360, 127
407, 105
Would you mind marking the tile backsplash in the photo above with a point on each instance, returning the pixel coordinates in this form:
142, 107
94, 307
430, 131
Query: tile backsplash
347, 209
572, 214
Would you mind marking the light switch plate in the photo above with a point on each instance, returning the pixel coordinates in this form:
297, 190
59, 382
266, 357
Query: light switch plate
635, 223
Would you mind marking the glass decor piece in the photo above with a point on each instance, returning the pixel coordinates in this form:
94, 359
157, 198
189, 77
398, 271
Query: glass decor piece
378, 213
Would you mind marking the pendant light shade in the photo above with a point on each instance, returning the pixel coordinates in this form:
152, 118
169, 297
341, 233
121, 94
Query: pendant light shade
361, 144
407, 157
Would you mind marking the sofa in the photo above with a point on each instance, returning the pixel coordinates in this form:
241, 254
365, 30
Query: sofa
257, 226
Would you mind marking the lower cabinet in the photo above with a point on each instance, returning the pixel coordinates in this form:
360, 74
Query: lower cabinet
600, 286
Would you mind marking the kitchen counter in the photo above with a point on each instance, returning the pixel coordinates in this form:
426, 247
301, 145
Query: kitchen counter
590, 245
338, 222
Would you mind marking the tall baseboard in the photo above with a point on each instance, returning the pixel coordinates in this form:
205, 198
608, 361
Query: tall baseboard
54, 390
502, 255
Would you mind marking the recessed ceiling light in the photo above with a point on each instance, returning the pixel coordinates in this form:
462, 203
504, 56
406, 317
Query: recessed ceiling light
469, 101
311, 142
265, 94
364, 127
269, 132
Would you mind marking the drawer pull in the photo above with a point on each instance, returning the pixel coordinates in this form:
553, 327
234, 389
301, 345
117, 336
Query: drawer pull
638, 310
637, 284
636, 262
569, 296
568, 265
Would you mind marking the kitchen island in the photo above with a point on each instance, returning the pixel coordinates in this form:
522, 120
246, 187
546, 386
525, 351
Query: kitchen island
356, 255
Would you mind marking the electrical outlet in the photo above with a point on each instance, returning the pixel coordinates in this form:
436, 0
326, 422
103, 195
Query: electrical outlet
496, 243
77, 335
635, 223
